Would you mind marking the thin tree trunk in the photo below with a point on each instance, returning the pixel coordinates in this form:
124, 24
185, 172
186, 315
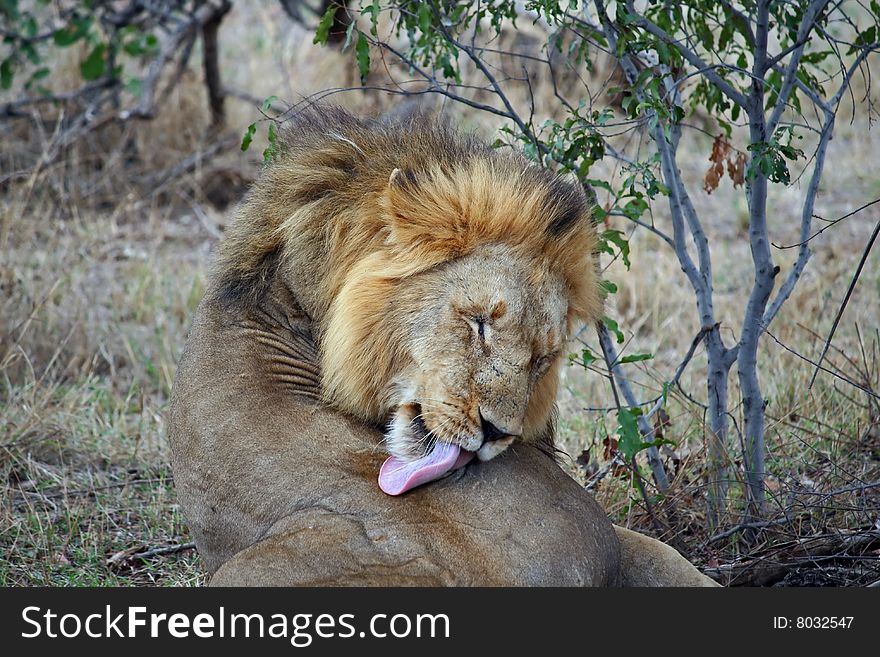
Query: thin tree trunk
765, 273
216, 96
718, 474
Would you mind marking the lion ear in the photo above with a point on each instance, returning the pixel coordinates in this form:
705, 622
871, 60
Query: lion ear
424, 217
403, 180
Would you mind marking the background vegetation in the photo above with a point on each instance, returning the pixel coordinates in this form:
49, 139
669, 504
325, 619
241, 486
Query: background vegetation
113, 198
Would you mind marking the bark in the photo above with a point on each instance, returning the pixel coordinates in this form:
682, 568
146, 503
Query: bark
214, 85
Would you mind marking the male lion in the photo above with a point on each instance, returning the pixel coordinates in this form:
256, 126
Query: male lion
394, 276
443, 277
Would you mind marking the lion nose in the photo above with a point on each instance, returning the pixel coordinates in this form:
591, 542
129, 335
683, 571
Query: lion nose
490, 431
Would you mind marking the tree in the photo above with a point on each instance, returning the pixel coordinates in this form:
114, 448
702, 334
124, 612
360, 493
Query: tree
780, 69
119, 39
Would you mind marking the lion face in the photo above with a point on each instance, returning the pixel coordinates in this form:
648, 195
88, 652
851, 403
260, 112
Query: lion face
484, 353
451, 288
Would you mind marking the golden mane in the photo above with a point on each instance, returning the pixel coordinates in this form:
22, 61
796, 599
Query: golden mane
352, 208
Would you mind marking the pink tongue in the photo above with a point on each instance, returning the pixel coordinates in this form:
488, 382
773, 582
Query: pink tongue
396, 476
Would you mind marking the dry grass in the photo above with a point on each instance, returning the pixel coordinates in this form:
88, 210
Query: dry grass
100, 272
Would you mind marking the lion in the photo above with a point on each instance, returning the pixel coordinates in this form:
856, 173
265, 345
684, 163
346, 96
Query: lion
443, 277
394, 287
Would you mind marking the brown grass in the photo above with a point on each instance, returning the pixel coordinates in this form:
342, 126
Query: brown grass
100, 272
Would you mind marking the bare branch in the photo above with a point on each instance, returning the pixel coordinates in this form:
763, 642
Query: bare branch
808, 22
435, 85
13, 109
866, 52
811, 15
819, 366
846, 297
831, 224
207, 12
481, 66
794, 275
682, 366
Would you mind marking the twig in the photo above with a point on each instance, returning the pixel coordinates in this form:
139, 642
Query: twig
846, 297
130, 555
597, 478
818, 366
746, 525
158, 181
95, 489
831, 223
761, 571
161, 551
859, 488
11, 109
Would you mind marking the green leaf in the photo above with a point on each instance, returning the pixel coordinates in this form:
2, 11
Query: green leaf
816, 57
587, 357
373, 10
271, 150
617, 238
630, 440
608, 287
248, 136
9, 8
6, 73
635, 358
864, 39
268, 103
424, 17
39, 74
362, 49
70, 34
30, 26
31, 53
614, 328
141, 44
133, 48
705, 35
323, 30
599, 183
348, 35
94, 66
135, 87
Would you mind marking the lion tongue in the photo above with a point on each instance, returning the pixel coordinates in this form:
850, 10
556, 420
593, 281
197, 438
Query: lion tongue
397, 477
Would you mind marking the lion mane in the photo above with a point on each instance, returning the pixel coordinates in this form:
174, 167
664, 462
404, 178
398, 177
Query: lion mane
352, 209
